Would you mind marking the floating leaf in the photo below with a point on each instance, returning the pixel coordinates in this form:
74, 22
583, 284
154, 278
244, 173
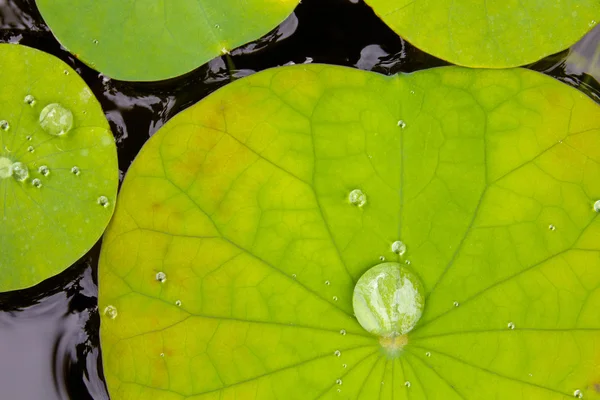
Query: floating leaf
492, 33
158, 39
58, 160
230, 266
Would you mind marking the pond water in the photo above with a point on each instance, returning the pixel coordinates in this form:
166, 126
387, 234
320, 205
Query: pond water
49, 342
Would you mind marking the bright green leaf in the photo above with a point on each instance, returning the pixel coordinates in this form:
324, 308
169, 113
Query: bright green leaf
158, 39
229, 269
489, 33
57, 159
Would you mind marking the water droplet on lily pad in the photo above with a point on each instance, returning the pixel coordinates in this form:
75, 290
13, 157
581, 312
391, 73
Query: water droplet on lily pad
399, 248
20, 171
343, 332
178, 303
75, 170
56, 120
511, 325
36, 183
4, 125
111, 312
428, 354
29, 99
337, 353
327, 283
31, 149
597, 206
335, 298
338, 382
402, 124
381, 258
388, 300
344, 365
357, 198
456, 304
44, 170
161, 277
552, 227
578, 393
103, 201
407, 383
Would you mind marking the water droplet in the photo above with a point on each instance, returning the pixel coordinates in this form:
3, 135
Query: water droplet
20, 171
338, 381
31, 149
56, 120
36, 183
578, 394
343, 332
75, 170
399, 248
592, 23
224, 51
407, 262
511, 325
28, 137
597, 206
357, 198
4, 125
381, 258
111, 312
339, 390
388, 302
456, 304
217, 26
161, 277
428, 354
412, 92
327, 283
95, 41
337, 353
344, 365
335, 298
552, 227
407, 383
162, 354
178, 303
294, 276
29, 99
66, 72
44, 170
402, 124
103, 201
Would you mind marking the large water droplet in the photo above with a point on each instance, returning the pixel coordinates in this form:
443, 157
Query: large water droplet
36, 183
161, 277
4, 125
357, 198
111, 312
56, 119
597, 206
29, 99
20, 171
103, 201
44, 170
388, 300
578, 394
511, 325
399, 248
6, 170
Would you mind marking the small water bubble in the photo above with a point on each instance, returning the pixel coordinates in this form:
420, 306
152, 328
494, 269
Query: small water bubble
31, 149
75, 170
428, 354
407, 384
20, 171
343, 332
552, 227
456, 304
335, 298
327, 283
4, 125
344, 365
56, 120
103, 201
338, 382
399, 248
337, 353
178, 303
36, 183
597, 206
357, 198
578, 393
161, 277
111, 312
44, 170
29, 99
402, 124
511, 325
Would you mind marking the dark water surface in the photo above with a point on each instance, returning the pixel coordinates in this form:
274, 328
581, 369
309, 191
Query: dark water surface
49, 344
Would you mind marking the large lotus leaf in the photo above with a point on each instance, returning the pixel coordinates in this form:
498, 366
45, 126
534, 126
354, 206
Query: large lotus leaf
229, 268
158, 39
489, 33
58, 167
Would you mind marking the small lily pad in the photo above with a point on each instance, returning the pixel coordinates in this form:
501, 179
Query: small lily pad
492, 33
245, 223
158, 39
57, 159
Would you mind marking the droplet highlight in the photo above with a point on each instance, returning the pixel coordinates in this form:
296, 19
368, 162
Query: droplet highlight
399, 248
161, 277
111, 312
103, 201
56, 120
357, 198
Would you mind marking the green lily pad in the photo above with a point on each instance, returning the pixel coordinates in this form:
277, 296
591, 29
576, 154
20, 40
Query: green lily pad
246, 221
158, 39
492, 33
58, 167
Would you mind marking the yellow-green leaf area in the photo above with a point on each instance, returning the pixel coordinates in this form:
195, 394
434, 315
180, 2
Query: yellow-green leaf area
58, 167
489, 33
245, 223
158, 39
